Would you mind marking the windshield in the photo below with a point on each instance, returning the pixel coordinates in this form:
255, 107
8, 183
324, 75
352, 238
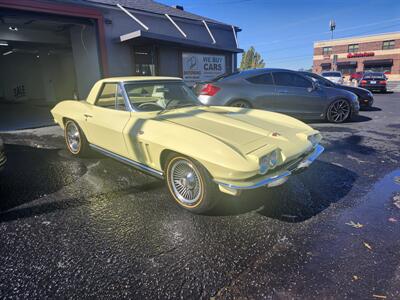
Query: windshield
321, 80
332, 74
374, 75
160, 95
224, 76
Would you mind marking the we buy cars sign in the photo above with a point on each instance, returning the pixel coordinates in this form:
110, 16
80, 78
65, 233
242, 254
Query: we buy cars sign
201, 67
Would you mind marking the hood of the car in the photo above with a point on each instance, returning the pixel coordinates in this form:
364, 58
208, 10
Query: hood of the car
245, 130
353, 89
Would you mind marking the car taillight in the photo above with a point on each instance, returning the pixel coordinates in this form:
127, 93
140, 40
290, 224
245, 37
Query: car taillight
382, 82
363, 82
209, 90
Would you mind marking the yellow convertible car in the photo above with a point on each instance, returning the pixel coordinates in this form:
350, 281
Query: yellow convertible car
157, 125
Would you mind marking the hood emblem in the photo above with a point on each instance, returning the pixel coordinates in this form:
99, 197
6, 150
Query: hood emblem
276, 134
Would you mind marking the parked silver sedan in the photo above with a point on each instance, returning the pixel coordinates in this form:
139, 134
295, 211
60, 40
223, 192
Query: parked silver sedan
281, 91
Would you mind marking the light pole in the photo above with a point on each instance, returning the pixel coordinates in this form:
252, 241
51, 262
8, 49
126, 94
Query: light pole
332, 26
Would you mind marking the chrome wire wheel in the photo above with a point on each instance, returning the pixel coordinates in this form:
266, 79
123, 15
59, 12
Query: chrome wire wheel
185, 182
240, 103
339, 111
73, 137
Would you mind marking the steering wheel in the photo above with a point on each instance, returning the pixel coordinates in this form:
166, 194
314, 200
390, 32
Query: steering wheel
149, 104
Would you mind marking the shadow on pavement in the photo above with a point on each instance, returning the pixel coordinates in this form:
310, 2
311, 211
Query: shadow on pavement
31, 173
355, 119
299, 199
63, 204
373, 108
359, 119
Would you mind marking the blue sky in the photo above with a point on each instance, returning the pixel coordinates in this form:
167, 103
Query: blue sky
283, 31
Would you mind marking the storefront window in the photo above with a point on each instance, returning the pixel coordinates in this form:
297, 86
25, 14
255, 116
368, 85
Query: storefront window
347, 70
144, 60
326, 67
384, 69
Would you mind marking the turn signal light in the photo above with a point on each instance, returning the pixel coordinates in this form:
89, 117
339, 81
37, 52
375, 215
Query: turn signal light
363, 82
209, 90
382, 82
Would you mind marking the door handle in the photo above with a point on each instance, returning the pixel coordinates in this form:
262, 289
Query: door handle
87, 116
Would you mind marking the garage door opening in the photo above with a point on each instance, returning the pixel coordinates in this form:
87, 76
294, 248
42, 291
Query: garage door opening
44, 59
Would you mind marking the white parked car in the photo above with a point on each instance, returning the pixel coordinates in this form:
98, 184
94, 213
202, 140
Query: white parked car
333, 76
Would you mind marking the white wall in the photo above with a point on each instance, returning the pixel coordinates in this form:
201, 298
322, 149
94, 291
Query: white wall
55, 71
20, 69
85, 58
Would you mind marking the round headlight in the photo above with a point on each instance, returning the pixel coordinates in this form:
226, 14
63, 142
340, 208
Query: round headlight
264, 164
273, 159
268, 161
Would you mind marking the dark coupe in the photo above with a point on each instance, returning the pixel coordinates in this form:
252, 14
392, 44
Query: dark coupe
365, 97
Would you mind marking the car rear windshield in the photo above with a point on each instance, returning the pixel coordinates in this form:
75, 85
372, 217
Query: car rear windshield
374, 75
160, 95
224, 76
331, 74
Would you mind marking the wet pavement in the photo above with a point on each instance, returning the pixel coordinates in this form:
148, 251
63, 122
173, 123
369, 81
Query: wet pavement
96, 228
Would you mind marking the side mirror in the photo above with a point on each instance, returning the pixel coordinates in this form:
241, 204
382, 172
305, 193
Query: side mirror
315, 86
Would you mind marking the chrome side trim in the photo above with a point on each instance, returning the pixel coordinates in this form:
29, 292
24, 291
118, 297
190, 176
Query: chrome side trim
306, 162
130, 162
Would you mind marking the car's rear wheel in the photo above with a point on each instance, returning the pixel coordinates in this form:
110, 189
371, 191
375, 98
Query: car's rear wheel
241, 103
339, 111
75, 139
190, 184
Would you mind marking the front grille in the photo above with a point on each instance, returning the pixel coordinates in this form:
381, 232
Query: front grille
289, 166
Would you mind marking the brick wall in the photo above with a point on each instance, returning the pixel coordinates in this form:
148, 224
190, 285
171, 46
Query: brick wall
362, 47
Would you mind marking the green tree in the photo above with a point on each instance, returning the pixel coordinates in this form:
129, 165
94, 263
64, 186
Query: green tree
251, 59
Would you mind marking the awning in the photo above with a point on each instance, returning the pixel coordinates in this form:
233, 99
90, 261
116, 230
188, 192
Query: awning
379, 62
146, 37
327, 65
347, 63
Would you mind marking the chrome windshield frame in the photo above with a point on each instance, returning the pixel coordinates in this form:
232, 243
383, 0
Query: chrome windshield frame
128, 103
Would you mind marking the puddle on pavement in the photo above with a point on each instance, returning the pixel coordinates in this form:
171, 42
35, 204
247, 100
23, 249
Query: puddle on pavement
31, 173
380, 201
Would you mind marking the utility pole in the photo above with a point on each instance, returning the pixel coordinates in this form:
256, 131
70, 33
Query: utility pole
332, 26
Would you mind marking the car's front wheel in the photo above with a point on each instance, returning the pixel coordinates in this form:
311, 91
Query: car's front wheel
75, 139
339, 111
190, 184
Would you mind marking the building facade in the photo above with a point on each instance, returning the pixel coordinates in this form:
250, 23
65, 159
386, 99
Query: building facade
56, 50
380, 53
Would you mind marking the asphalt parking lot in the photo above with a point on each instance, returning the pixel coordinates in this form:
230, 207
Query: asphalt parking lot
74, 228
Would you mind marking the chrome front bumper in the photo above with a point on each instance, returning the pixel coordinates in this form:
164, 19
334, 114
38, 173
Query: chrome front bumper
280, 178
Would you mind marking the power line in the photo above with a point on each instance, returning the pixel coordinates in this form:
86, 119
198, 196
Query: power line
265, 53
325, 32
289, 58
